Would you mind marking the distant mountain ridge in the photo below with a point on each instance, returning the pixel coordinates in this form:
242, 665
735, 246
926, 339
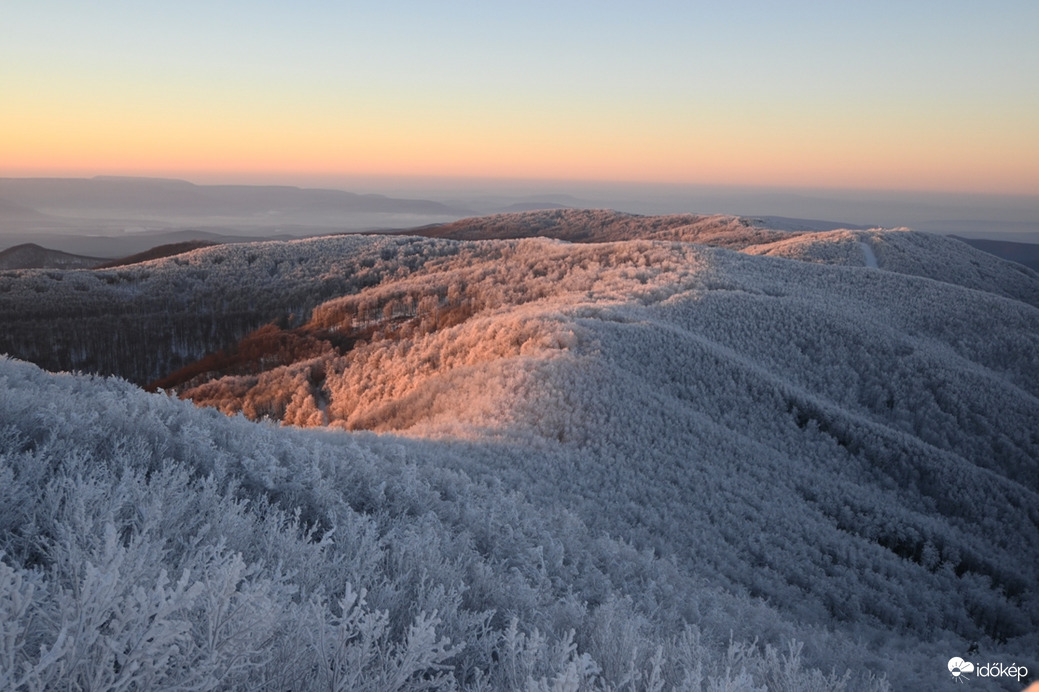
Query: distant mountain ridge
179, 197
32, 256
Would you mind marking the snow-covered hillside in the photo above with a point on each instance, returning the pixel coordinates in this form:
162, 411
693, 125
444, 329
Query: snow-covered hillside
625, 463
919, 254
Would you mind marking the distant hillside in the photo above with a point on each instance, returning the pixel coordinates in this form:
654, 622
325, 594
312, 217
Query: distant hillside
32, 256
604, 225
126, 244
784, 223
1022, 253
143, 321
921, 254
158, 253
177, 198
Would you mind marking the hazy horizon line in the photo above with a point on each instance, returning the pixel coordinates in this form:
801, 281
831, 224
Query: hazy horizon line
347, 181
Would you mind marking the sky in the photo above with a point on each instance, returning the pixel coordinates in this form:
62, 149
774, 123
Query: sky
908, 95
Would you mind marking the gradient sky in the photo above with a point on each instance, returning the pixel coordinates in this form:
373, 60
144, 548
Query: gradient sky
882, 95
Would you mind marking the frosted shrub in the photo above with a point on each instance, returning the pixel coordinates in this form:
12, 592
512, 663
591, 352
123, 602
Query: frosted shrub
106, 631
354, 651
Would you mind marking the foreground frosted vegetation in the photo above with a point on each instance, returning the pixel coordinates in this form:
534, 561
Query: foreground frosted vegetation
151, 545
620, 464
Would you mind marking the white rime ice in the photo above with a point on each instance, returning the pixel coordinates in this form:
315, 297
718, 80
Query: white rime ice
682, 453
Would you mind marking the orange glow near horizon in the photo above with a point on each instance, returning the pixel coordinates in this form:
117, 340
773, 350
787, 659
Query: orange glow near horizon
875, 160
721, 147
513, 97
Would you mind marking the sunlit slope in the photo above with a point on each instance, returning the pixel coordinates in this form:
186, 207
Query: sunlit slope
604, 225
900, 250
821, 435
147, 320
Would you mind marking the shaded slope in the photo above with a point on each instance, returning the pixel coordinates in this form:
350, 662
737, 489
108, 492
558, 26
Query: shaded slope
907, 252
145, 320
158, 252
32, 256
1022, 253
188, 549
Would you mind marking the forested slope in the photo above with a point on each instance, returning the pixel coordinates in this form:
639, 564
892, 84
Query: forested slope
148, 544
603, 225
920, 254
651, 442
145, 321
850, 406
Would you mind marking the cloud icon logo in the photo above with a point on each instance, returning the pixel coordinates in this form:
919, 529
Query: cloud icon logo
957, 666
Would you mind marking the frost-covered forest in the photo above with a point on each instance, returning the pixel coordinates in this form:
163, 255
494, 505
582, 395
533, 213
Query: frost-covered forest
640, 453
